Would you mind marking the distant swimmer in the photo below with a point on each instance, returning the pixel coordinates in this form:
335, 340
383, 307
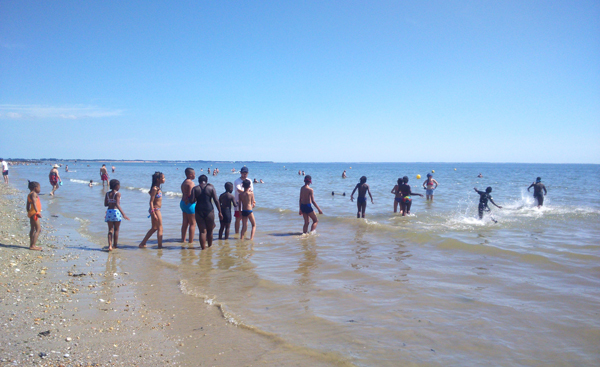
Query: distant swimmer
307, 199
344, 174
113, 169
480, 175
361, 200
188, 209
255, 181
299, 172
402, 192
428, 185
538, 186
483, 201
54, 178
91, 183
104, 175
261, 181
158, 178
67, 168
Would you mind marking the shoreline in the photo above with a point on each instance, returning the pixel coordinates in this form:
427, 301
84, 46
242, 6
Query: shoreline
77, 305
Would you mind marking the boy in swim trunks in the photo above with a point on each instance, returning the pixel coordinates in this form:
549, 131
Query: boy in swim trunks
237, 184
225, 200
361, 200
538, 186
188, 209
34, 212
306, 199
246, 205
428, 186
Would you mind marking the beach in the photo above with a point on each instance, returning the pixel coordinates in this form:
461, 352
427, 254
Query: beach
67, 306
439, 287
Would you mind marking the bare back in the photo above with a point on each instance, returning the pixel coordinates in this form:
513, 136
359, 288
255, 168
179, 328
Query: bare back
306, 195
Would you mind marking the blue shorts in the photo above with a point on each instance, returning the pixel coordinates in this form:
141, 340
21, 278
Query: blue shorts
306, 208
429, 192
113, 215
246, 213
187, 208
361, 200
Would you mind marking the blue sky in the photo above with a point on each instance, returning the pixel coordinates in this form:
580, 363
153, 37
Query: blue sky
310, 81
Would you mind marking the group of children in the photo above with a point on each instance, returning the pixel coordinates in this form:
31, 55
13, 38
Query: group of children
198, 210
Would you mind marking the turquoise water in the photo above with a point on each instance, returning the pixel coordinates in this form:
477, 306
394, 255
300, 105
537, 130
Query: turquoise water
439, 287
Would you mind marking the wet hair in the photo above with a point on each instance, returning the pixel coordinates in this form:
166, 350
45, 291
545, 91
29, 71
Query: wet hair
155, 178
202, 178
307, 179
188, 171
363, 179
400, 182
114, 183
228, 187
246, 184
539, 179
405, 179
32, 185
489, 189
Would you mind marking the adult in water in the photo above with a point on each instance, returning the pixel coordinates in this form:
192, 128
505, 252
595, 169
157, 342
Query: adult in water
484, 196
538, 187
205, 213
54, 178
104, 175
188, 209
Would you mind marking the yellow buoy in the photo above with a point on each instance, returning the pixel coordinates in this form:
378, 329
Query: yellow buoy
432, 171
418, 177
455, 169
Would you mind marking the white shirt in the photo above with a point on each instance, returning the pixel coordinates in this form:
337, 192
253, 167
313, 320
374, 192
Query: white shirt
4, 166
237, 185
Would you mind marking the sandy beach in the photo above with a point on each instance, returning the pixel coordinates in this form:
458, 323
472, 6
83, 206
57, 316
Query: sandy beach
74, 304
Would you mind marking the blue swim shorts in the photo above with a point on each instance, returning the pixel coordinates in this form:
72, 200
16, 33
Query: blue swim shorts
187, 208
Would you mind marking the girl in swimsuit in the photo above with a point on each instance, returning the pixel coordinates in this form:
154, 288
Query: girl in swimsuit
158, 178
34, 212
114, 213
397, 195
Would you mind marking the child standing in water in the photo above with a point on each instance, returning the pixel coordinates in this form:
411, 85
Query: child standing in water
428, 185
246, 205
483, 201
361, 200
158, 178
34, 212
403, 193
225, 200
114, 213
307, 198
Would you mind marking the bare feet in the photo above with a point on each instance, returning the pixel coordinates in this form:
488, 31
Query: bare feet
35, 248
110, 249
159, 246
142, 245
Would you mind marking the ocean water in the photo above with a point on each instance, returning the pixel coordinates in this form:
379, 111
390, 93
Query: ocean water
438, 287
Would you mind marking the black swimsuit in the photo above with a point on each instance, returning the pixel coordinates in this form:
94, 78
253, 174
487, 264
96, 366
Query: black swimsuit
203, 205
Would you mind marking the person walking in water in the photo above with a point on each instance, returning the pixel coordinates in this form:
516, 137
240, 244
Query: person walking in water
238, 190
428, 185
307, 198
158, 178
104, 175
4, 170
54, 178
188, 209
205, 213
361, 200
538, 187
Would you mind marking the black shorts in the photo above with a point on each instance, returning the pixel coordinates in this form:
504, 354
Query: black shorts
5, 173
540, 199
226, 217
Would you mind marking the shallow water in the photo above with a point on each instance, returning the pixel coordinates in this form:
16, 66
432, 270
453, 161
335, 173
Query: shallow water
439, 287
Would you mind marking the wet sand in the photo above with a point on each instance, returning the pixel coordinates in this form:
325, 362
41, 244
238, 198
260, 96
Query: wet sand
75, 304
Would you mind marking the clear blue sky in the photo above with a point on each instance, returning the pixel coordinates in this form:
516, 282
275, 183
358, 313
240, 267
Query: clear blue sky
310, 81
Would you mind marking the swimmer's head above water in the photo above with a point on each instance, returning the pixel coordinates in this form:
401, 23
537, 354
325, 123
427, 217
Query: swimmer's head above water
489, 189
307, 179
